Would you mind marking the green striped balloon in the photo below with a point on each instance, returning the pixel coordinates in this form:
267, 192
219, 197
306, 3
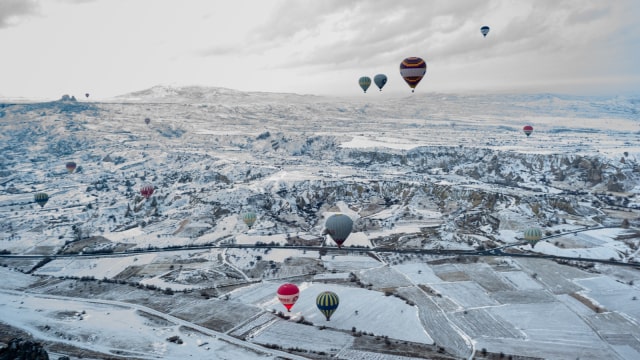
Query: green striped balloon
364, 82
532, 235
327, 302
249, 219
41, 198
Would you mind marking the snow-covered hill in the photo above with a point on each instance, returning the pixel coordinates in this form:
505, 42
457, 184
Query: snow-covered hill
291, 160
425, 171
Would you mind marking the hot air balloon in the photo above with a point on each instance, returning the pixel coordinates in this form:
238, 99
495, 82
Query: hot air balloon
484, 30
528, 129
532, 235
147, 121
380, 80
71, 166
86, 95
146, 190
249, 218
339, 226
41, 198
364, 82
327, 302
412, 70
288, 295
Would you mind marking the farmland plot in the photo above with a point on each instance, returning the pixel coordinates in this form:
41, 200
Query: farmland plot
450, 272
14, 280
466, 294
290, 335
349, 263
437, 324
522, 296
254, 325
486, 276
622, 334
444, 303
521, 280
418, 273
335, 277
612, 295
97, 268
480, 323
602, 284
576, 305
298, 266
368, 355
261, 294
555, 277
216, 314
551, 323
547, 350
383, 278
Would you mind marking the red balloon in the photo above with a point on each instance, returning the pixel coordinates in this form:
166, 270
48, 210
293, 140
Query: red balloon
528, 129
288, 295
146, 191
71, 166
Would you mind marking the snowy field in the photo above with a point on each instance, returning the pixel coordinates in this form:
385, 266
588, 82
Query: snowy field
114, 328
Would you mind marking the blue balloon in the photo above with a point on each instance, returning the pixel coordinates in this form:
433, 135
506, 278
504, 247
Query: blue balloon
484, 30
339, 226
380, 80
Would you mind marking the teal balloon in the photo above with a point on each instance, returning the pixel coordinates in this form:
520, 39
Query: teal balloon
364, 82
339, 226
327, 302
380, 80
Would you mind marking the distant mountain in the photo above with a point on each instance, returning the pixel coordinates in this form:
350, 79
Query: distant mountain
506, 104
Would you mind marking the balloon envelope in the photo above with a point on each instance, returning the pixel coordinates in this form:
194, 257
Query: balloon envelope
484, 30
412, 70
339, 226
532, 235
41, 198
71, 166
327, 302
528, 129
380, 80
364, 82
249, 219
147, 121
288, 295
147, 190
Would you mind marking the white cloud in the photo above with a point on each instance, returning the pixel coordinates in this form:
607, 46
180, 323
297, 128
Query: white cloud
12, 11
113, 46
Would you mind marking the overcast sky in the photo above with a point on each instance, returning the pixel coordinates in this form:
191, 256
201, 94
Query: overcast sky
111, 47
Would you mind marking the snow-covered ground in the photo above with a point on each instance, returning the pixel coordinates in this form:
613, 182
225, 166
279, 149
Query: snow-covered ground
435, 172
